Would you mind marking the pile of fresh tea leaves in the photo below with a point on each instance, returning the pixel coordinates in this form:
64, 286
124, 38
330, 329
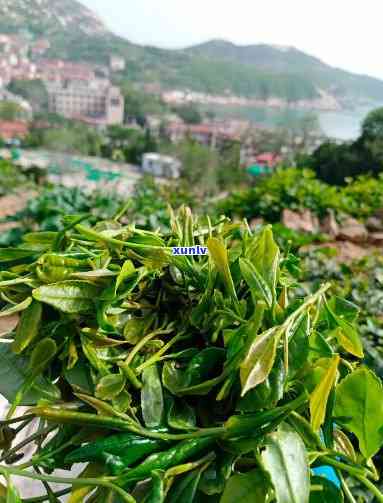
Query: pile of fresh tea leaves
175, 378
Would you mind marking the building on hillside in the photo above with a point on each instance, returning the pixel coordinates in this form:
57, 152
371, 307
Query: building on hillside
212, 135
40, 47
103, 104
13, 130
161, 165
154, 122
25, 70
114, 106
57, 70
202, 133
5, 74
264, 164
117, 63
268, 160
14, 59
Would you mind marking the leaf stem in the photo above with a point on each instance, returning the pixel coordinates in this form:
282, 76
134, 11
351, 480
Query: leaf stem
301, 309
95, 236
142, 343
346, 489
61, 416
355, 472
27, 441
17, 419
70, 481
158, 355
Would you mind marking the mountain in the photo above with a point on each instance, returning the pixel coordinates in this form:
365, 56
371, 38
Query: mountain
268, 57
289, 60
49, 17
216, 67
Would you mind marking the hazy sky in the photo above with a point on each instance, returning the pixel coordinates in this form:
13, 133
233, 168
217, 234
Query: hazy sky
347, 34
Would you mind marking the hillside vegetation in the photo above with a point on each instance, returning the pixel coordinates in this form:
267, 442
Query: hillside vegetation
255, 71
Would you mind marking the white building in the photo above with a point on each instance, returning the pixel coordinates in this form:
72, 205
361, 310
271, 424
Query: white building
117, 63
161, 165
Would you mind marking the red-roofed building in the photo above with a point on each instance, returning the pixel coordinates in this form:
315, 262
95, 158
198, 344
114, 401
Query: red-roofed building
56, 69
40, 47
11, 130
209, 134
268, 159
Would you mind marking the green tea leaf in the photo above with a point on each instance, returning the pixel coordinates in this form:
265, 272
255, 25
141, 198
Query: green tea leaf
70, 297
10, 254
343, 309
349, 339
204, 365
345, 332
299, 345
255, 281
110, 386
359, 407
40, 238
267, 394
260, 359
219, 256
264, 255
173, 378
122, 402
127, 270
28, 327
319, 397
286, 461
215, 477
17, 308
134, 330
80, 377
343, 444
157, 493
185, 488
246, 488
152, 401
93, 275
41, 355
181, 416
13, 372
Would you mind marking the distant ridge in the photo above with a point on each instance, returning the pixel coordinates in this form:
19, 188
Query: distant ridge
215, 67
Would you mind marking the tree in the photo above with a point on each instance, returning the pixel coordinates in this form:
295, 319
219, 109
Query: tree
199, 165
372, 126
334, 163
230, 173
189, 113
138, 104
10, 111
372, 135
34, 91
76, 140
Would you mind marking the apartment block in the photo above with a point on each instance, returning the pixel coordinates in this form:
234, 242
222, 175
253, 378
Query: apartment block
96, 101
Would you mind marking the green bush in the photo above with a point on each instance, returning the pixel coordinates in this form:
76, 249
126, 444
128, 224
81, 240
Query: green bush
291, 188
361, 197
11, 178
297, 189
